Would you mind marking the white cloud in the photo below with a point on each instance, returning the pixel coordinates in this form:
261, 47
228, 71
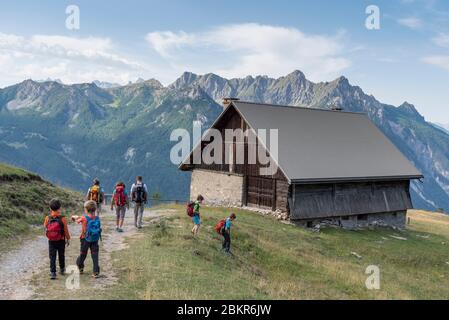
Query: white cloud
67, 58
230, 50
442, 40
411, 22
251, 49
439, 61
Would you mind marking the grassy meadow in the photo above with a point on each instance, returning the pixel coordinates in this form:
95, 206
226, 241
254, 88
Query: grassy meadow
273, 260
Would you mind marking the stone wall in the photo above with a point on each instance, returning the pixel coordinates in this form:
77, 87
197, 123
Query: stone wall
217, 188
386, 219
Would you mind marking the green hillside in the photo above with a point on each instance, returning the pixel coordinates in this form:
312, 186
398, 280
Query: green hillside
24, 200
271, 260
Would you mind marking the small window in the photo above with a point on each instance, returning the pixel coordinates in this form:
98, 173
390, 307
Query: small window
345, 218
362, 217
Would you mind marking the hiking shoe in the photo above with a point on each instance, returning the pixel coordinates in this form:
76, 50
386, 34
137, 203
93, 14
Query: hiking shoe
139, 227
53, 275
81, 270
62, 272
117, 229
120, 230
96, 275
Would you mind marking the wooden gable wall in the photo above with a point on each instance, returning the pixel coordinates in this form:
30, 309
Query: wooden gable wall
233, 120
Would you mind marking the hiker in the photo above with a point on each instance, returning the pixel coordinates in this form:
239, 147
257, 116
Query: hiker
58, 236
90, 235
139, 195
121, 203
96, 193
224, 228
196, 218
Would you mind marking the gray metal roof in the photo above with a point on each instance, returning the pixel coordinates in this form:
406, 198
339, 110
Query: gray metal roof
321, 145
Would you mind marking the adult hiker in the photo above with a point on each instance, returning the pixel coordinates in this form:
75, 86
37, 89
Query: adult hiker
196, 218
224, 228
96, 194
58, 236
139, 195
121, 203
90, 235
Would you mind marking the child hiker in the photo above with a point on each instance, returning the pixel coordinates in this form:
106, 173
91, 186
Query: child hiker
224, 228
96, 194
196, 218
90, 235
121, 203
58, 237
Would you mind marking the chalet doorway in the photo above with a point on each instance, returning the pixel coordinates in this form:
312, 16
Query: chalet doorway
261, 192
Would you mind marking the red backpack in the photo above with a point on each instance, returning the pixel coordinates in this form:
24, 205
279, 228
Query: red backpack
189, 209
55, 229
220, 225
120, 196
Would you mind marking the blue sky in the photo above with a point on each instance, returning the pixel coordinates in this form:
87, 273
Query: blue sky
407, 59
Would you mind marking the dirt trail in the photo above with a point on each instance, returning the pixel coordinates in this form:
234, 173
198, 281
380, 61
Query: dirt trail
19, 267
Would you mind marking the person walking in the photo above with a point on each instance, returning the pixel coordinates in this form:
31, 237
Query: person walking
96, 194
196, 218
226, 233
58, 236
121, 203
90, 235
139, 195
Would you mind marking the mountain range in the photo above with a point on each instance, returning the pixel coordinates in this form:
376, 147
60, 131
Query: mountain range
73, 133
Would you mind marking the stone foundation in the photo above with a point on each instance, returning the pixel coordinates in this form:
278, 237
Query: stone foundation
387, 219
217, 188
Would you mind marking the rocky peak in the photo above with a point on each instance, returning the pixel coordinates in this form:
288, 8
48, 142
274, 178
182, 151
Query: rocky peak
297, 75
30, 88
186, 79
341, 83
411, 110
155, 84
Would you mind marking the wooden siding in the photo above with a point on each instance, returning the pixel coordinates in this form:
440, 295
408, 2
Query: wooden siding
232, 120
282, 195
342, 199
261, 192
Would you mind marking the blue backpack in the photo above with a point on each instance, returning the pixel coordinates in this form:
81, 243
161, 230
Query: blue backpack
93, 231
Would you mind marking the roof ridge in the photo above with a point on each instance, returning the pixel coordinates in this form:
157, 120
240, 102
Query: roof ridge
296, 107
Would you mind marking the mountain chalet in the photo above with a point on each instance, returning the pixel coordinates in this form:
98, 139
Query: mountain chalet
332, 166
